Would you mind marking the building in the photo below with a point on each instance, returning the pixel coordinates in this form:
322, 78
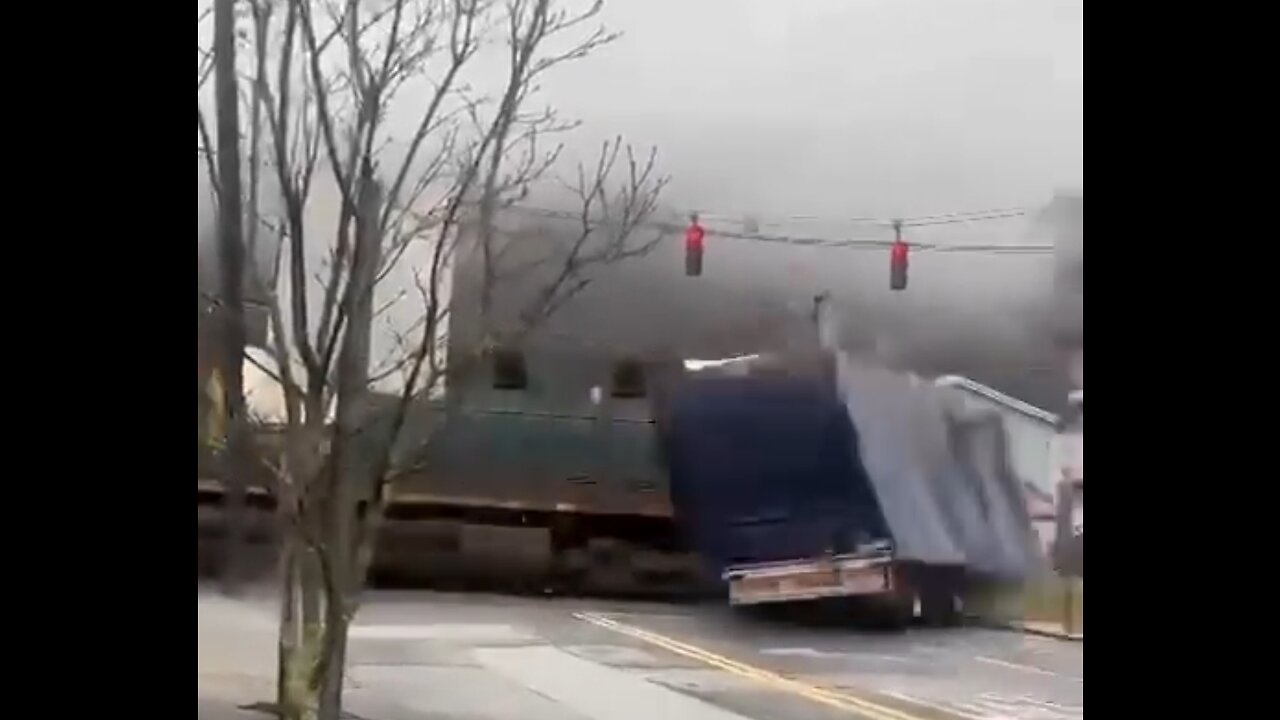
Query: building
759, 296
1030, 433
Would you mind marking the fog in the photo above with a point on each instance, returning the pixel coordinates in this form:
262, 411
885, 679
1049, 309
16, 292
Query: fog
755, 296
843, 107
835, 109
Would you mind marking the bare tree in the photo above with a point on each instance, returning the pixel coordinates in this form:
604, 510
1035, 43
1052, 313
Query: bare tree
331, 83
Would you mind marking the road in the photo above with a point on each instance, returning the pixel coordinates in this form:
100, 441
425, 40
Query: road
500, 658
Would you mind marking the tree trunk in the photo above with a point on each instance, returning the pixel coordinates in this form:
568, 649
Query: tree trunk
319, 590
330, 692
237, 469
350, 461
305, 630
290, 620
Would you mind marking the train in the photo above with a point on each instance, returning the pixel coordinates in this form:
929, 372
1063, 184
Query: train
547, 469
653, 499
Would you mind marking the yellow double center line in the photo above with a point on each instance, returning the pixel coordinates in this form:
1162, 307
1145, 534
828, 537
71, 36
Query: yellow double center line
840, 701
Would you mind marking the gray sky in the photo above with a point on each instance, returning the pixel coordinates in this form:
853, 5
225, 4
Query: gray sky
833, 107
842, 107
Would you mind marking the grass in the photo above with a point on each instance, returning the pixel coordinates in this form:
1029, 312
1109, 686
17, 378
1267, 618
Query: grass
1049, 599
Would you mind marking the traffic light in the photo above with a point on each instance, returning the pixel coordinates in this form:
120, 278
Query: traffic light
898, 260
693, 245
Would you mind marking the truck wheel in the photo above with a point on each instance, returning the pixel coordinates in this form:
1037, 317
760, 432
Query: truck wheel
940, 608
940, 600
902, 611
899, 608
894, 612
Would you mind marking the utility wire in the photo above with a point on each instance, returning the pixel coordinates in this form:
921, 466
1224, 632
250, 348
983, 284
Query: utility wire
863, 220
862, 243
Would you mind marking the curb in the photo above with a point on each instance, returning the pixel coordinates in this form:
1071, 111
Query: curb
1055, 634
1015, 627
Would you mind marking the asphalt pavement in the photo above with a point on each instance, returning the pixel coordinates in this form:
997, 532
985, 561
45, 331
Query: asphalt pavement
445, 656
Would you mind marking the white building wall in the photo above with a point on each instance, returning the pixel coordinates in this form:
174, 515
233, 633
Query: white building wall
1030, 430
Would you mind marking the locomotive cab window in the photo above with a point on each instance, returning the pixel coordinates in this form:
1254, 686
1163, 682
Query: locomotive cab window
628, 379
509, 372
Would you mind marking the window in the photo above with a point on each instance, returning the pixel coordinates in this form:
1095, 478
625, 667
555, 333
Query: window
628, 379
508, 370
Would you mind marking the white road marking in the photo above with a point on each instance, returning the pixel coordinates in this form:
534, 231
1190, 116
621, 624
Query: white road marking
992, 706
1026, 668
650, 616
592, 690
467, 632
800, 652
958, 709
813, 653
1026, 707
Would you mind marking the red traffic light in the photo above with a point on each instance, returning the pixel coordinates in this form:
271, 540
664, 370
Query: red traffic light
694, 235
898, 266
693, 244
898, 260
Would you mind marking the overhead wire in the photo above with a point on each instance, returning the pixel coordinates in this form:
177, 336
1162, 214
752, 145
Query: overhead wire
848, 243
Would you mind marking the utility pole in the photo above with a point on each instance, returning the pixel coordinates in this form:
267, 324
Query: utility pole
825, 322
235, 469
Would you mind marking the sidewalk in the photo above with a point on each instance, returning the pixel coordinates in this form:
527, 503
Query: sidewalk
236, 663
494, 660
1031, 627
235, 656
392, 677
1047, 629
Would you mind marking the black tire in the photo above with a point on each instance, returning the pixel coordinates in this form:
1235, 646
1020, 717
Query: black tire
940, 609
940, 599
901, 611
890, 613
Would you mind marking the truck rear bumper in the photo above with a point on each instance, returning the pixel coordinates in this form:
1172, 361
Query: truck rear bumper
810, 579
